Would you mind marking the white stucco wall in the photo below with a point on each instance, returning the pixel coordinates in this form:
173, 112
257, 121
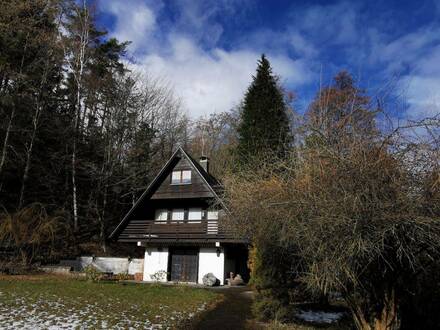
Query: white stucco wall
136, 266
209, 262
155, 261
106, 264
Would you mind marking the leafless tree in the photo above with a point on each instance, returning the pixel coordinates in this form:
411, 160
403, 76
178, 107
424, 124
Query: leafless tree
362, 212
76, 45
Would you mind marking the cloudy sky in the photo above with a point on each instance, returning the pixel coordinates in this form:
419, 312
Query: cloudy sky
208, 49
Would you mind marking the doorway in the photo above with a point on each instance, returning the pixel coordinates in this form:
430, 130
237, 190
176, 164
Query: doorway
184, 264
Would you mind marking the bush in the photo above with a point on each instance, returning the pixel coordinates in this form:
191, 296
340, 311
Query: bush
92, 274
272, 279
32, 234
266, 307
158, 276
124, 276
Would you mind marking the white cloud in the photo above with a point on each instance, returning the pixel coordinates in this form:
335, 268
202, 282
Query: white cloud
415, 57
335, 23
215, 80
422, 85
135, 21
207, 78
302, 46
407, 50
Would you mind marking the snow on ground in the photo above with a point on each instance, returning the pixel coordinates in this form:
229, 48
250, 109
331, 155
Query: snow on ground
319, 316
54, 315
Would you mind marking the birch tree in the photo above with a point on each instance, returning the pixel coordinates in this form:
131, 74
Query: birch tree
78, 24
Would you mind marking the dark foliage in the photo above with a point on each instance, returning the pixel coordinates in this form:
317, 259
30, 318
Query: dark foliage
264, 128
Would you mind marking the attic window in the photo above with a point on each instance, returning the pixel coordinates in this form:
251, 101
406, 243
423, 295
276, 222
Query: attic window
181, 177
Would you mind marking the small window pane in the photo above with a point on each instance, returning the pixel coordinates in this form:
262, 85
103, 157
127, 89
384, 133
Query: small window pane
213, 215
175, 176
195, 214
161, 215
178, 214
186, 176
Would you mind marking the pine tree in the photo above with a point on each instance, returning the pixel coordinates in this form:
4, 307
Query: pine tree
264, 124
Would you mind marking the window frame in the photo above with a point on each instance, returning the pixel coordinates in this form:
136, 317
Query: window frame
177, 211
194, 210
157, 215
181, 177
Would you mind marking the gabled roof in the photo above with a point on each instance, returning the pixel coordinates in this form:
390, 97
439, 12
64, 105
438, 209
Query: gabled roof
212, 183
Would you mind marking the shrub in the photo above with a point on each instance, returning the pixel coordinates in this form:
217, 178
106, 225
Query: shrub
92, 274
266, 307
158, 276
31, 232
125, 276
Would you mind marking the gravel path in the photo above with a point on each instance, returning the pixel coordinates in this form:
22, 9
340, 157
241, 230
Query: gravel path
234, 312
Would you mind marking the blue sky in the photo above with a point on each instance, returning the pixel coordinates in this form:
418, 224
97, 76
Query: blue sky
208, 49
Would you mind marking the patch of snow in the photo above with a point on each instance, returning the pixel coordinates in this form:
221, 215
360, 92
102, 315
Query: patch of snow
319, 316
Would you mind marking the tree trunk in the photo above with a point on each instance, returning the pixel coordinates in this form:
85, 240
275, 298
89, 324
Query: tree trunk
102, 225
11, 118
6, 141
30, 148
24, 257
386, 319
84, 40
74, 198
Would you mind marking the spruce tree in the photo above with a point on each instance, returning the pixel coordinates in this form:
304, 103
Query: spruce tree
264, 124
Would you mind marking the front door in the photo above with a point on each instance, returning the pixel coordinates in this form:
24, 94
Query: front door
184, 264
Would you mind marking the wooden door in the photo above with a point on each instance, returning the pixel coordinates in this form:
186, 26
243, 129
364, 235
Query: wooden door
184, 265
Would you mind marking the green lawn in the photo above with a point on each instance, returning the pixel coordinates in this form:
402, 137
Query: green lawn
51, 302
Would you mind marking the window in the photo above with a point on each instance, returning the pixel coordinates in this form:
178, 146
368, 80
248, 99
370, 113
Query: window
212, 225
186, 176
178, 215
195, 214
181, 177
212, 215
161, 216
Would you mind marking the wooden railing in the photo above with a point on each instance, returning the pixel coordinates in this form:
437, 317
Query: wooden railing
149, 230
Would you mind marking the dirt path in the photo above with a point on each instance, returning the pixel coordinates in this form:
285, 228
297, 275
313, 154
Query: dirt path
234, 312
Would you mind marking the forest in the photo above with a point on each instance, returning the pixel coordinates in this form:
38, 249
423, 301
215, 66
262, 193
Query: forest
81, 133
342, 197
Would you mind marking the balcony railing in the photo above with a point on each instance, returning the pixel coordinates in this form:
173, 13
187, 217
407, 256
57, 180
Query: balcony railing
149, 230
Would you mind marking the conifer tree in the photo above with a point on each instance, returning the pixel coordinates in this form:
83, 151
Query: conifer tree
264, 124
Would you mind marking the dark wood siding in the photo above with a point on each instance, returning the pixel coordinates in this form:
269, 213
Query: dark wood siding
148, 231
139, 224
197, 187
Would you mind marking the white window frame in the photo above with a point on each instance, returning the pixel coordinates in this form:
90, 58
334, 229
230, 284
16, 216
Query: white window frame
212, 221
176, 177
195, 214
178, 215
161, 216
185, 177
212, 215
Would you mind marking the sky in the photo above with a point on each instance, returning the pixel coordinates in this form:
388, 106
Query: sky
207, 50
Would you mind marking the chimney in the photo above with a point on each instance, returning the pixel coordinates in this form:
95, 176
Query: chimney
204, 162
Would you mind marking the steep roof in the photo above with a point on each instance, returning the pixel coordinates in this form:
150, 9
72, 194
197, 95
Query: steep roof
212, 183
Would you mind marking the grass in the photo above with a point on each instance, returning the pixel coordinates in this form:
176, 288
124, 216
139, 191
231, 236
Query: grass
58, 302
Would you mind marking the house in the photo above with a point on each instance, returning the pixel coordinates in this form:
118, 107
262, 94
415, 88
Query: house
178, 219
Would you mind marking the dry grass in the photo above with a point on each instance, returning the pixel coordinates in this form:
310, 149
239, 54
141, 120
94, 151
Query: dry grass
30, 302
